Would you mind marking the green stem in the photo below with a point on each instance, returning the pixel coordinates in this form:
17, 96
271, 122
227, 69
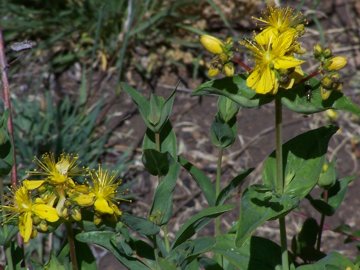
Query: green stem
164, 227
322, 221
217, 189
8, 254
280, 179
70, 237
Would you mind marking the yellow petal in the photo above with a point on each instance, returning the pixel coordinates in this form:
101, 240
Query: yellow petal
101, 205
46, 212
32, 184
267, 82
116, 209
282, 44
212, 44
286, 62
84, 199
25, 226
265, 36
253, 78
336, 63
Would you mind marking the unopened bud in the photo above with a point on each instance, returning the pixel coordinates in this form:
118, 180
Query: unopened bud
324, 93
43, 226
97, 219
213, 72
212, 44
327, 53
326, 82
229, 69
332, 115
317, 50
34, 233
76, 214
336, 63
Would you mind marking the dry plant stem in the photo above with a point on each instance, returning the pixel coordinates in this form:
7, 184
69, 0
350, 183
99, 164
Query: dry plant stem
164, 227
280, 179
7, 104
322, 221
217, 189
70, 236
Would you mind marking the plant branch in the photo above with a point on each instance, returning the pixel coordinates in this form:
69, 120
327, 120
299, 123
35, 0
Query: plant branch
70, 237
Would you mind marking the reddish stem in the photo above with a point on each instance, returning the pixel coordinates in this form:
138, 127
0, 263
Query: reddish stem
242, 64
311, 75
7, 104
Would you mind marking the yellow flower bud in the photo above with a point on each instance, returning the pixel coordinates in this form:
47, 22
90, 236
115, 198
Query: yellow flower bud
76, 214
332, 115
325, 167
229, 69
213, 72
317, 50
97, 219
326, 82
43, 226
336, 63
212, 44
34, 233
325, 93
327, 53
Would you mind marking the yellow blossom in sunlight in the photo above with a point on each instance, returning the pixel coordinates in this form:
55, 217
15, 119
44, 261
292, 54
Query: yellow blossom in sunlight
21, 205
55, 172
269, 60
278, 20
101, 193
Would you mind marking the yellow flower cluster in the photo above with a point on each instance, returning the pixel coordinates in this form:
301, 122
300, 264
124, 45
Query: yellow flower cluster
56, 197
275, 51
223, 55
329, 67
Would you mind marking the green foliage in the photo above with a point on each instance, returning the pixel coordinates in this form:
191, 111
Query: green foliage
296, 100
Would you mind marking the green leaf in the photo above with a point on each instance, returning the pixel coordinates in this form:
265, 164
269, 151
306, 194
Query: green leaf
336, 195
234, 88
332, 261
256, 253
303, 245
259, 204
156, 163
197, 222
227, 108
222, 134
225, 193
103, 238
296, 99
186, 252
303, 157
140, 225
167, 140
161, 209
201, 179
54, 264
166, 264
86, 259
141, 102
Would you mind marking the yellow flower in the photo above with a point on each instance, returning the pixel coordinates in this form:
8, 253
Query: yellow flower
212, 44
22, 206
56, 172
336, 63
101, 194
279, 20
269, 59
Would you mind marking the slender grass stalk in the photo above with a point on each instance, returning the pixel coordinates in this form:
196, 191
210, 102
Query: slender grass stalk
164, 227
7, 104
280, 179
70, 237
322, 221
217, 189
